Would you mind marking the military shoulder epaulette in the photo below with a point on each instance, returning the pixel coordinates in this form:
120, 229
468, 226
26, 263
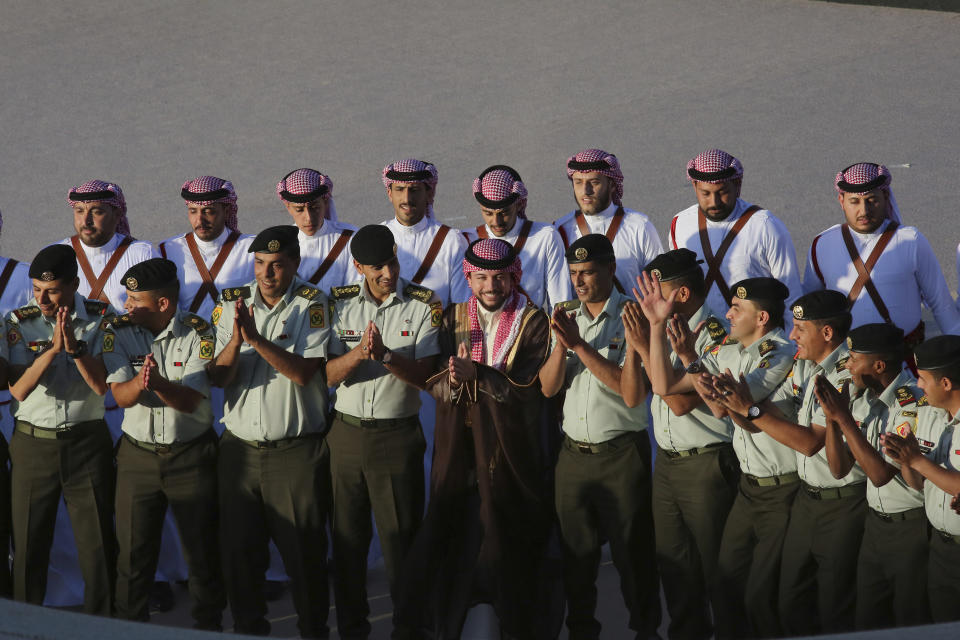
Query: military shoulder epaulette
922, 401
766, 347
729, 340
118, 320
342, 293
231, 294
95, 307
569, 305
197, 323
307, 292
715, 329
25, 313
417, 292
842, 363
905, 396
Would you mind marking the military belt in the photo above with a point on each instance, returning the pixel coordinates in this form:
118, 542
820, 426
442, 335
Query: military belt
771, 481
835, 493
62, 433
689, 453
899, 516
377, 423
164, 449
591, 448
949, 538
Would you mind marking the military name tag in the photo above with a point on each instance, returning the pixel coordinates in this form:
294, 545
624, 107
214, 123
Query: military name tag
349, 335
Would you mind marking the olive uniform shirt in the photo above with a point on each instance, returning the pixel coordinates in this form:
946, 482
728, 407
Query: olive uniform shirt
939, 441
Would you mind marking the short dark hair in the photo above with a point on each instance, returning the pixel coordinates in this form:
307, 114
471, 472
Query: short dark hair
840, 325
171, 292
951, 372
774, 308
693, 281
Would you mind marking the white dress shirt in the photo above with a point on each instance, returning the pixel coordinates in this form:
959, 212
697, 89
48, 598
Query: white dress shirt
114, 289
762, 249
236, 271
445, 277
19, 291
635, 244
314, 250
545, 277
906, 276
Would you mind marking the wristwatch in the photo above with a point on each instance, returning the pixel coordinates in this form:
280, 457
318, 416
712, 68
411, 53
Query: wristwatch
387, 356
754, 412
694, 367
80, 351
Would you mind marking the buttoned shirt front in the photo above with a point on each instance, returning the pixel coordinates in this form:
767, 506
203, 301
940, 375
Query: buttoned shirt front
815, 469
315, 249
762, 249
62, 397
182, 351
592, 411
699, 427
445, 277
892, 411
261, 403
635, 244
939, 440
545, 278
98, 257
906, 275
408, 326
765, 365
236, 271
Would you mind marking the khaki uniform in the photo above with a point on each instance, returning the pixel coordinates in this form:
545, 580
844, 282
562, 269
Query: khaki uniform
749, 556
273, 467
61, 446
818, 578
166, 457
602, 483
376, 443
694, 483
939, 439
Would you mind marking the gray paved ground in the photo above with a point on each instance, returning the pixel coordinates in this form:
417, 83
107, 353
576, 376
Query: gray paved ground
149, 94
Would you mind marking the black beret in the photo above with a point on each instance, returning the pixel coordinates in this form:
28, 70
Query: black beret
593, 246
876, 337
373, 244
276, 239
150, 275
673, 264
820, 305
56, 262
760, 289
936, 353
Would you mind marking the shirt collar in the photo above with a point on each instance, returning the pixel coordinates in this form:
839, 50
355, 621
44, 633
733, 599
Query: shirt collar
395, 225
107, 248
774, 335
889, 395
606, 213
215, 244
396, 296
828, 364
295, 284
609, 308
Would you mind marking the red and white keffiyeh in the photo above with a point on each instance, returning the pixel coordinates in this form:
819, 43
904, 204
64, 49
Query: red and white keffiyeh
500, 186
599, 161
306, 185
412, 170
212, 190
864, 177
493, 254
715, 166
101, 191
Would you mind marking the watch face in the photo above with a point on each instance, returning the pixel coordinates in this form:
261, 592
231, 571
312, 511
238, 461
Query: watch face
694, 367
753, 411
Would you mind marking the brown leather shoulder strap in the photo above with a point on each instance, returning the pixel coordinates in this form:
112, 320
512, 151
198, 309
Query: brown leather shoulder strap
482, 232
523, 235
207, 277
5, 276
563, 237
863, 270
163, 249
581, 223
615, 224
431, 255
815, 262
335, 252
98, 283
714, 261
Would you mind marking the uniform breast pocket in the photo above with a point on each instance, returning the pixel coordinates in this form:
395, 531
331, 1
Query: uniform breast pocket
403, 341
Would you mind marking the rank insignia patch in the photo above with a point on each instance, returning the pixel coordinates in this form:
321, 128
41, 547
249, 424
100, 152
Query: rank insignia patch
766, 347
108, 343
308, 292
764, 364
215, 316
206, 350
235, 293
316, 316
905, 396
842, 363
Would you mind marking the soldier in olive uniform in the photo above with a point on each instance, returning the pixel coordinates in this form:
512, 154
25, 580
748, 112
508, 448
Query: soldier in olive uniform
61, 444
759, 356
892, 567
273, 467
156, 358
382, 348
602, 479
934, 453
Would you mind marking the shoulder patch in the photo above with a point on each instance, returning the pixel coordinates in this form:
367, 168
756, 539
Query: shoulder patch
417, 292
234, 293
715, 329
118, 321
569, 305
342, 293
25, 313
95, 307
215, 316
436, 313
905, 396
842, 363
198, 324
317, 314
764, 364
922, 401
108, 341
307, 292
728, 340
766, 347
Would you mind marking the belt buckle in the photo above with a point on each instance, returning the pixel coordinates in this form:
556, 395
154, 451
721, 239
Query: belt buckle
886, 517
368, 423
62, 432
265, 444
814, 493
161, 448
584, 448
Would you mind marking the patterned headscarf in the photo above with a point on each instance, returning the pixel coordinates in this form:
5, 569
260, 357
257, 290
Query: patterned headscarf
500, 186
715, 166
493, 254
412, 170
207, 190
864, 177
306, 185
106, 192
600, 161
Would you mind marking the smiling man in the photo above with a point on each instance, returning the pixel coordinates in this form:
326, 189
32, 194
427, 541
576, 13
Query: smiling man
383, 348
886, 269
213, 255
